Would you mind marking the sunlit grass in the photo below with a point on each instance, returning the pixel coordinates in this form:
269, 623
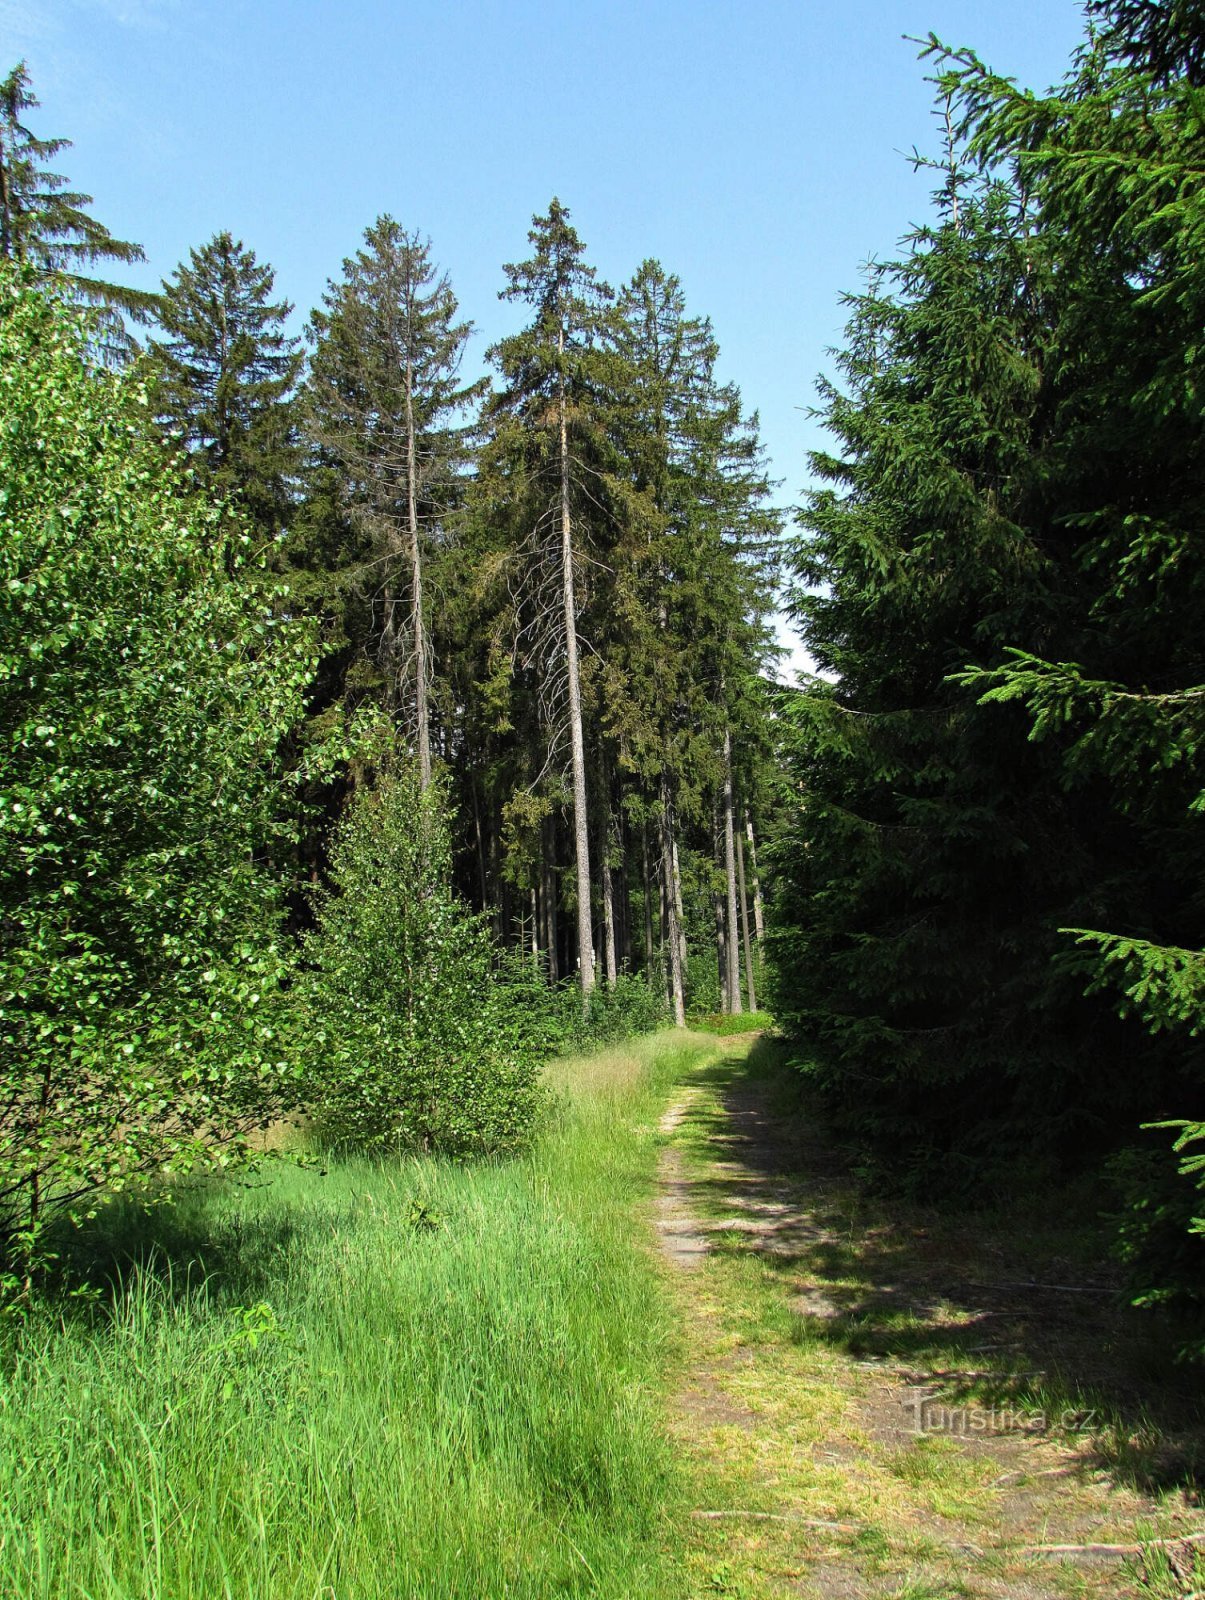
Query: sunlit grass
412, 1379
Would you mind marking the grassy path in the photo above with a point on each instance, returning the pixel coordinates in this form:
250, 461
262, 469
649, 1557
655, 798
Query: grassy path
882, 1405
666, 1356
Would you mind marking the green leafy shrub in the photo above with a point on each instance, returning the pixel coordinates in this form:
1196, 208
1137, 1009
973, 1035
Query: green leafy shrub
547, 1020
412, 1036
558, 1026
631, 1007
145, 687
703, 993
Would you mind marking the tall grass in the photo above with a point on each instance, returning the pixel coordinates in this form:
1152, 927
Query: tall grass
407, 1379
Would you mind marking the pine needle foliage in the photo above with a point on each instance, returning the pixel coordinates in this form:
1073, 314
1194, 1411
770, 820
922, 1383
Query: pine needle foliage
47, 225
224, 378
1004, 578
697, 585
412, 1041
561, 356
388, 418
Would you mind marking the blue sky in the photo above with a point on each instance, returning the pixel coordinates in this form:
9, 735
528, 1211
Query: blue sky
759, 150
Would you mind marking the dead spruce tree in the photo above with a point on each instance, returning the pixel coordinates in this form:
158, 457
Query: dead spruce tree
386, 406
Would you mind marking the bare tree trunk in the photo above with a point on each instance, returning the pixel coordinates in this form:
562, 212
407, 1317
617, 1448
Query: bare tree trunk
540, 909
759, 916
480, 847
717, 901
535, 931
416, 590
581, 818
548, 893
677, 991
732, 948
663, 924
623, 956
721, 953
678, 911
497, 908
608, 895
553, 930
623, 891
554, 895
606, 877
6, 229
750, 987
648, 903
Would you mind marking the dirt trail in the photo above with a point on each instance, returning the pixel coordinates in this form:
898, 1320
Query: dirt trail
681, 1236
863, 1400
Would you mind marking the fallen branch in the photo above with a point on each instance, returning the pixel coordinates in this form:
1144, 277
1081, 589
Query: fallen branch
1057, 1288
1111, 1549
780, 1516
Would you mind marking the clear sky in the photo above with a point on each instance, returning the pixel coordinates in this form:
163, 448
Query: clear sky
759, 150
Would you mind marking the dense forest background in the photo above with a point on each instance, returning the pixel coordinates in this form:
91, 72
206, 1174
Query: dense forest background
360, 715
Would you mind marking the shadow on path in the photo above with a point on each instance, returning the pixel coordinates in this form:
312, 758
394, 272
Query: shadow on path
970, 1313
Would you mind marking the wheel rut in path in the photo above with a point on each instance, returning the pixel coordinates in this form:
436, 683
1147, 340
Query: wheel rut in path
824, 1476
681, 1235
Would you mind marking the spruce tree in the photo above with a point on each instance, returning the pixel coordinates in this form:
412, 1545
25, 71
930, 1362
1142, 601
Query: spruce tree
1112, 688
547, 460
1003, 576
387, 410
666, 515
47, 225
914, 943
225, 377
1114, 164
696, 585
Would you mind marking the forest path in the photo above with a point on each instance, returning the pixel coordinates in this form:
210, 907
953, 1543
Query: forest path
880, 1407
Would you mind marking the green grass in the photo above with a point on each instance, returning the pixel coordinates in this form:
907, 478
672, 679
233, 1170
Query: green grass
787, 1416
725, 1023
414, 1379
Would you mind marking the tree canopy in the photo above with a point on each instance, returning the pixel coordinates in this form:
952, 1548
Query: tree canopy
225, 376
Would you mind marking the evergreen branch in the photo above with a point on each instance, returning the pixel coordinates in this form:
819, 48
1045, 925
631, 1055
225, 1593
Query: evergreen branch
1163, 985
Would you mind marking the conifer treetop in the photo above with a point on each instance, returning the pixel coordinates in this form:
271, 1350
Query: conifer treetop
46, 224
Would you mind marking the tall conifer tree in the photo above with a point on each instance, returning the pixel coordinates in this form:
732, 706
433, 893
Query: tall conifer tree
1003, 575
47, 225
546, 460
387, 409
225, 376
697, 583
